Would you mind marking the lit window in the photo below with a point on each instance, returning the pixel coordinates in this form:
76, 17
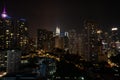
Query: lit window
11, 34
7, 31
7, 42
26, 29
21, 25
8, 22
21, 37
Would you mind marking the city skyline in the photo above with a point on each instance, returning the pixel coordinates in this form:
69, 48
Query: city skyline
59, 40
65, 14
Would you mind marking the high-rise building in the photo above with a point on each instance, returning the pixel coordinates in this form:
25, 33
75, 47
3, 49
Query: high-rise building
80, 45
45, 40
114, 41
75, 43
6, 33
66, 41
59, 39
115, 34
13, 36
22, 35
114, 37
72, 42
96, 42
58, 42
13, 33
103, 47
57, 31
13, 61
91, 47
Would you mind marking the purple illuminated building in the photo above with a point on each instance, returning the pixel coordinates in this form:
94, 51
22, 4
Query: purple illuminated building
4, 14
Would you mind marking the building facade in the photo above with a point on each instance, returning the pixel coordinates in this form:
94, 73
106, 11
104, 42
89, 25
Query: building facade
45, 40
13, 36
90, 41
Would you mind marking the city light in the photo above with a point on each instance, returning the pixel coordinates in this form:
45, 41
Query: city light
82, 78
2, 74
99, 31
114, 29
4, 15
57, 31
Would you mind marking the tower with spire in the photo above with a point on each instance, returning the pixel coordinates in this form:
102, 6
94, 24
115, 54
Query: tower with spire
4, 13
13, 41
58, 39
57, 31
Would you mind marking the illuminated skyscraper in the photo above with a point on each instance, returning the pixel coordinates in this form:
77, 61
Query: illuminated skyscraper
6, 35
4, 14
59, 43
115, 40
13, 33
90, 40
22, 35
13, 36
115, 34
95, 42
57, 31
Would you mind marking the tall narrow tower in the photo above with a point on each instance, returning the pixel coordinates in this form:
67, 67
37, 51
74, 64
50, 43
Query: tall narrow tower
13, 41
57, 31
57, 38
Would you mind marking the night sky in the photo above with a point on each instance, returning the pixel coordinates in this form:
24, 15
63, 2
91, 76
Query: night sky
66, 14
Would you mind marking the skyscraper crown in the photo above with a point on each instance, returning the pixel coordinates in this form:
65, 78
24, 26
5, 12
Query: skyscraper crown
4, 13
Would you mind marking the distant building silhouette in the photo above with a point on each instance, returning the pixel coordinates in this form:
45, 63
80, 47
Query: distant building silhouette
45, 39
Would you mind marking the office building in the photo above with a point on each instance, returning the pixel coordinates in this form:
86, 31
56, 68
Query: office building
13, 33
13, 61
75, 42
90, 40
13, 36
45, 40
72, 42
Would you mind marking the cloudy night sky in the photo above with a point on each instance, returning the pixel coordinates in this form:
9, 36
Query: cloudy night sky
66, 14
